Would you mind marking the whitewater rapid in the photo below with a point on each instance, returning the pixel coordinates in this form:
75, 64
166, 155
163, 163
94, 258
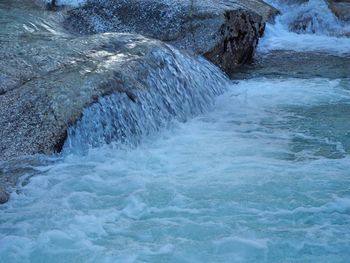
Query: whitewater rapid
249, 181
323, 32
261, 174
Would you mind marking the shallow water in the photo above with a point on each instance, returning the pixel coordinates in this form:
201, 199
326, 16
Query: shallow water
262, 176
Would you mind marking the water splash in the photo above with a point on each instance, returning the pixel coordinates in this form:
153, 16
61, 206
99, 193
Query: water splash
183, 87
310, 26
72, 3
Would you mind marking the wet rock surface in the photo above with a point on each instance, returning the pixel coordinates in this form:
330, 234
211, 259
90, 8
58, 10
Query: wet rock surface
225, 32
4, 196
49, 77
36, 112
24, 168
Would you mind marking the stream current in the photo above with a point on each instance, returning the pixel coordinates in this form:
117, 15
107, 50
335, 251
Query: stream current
262, 175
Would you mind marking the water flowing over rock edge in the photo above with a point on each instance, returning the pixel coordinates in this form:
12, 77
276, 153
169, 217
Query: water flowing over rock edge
178, 87
45, 98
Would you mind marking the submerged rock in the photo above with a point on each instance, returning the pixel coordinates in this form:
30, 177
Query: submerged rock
304, 23
225, 32
4, 196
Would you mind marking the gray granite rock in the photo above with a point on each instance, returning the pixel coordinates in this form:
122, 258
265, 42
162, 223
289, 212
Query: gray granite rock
225, 32
47, 77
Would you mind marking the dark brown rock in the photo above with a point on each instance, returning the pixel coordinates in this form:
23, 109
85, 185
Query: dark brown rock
237, 46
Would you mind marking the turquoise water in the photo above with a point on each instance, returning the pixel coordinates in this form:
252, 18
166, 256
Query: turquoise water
251, 181
262, 175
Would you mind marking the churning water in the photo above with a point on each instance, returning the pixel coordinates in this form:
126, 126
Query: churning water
262, 175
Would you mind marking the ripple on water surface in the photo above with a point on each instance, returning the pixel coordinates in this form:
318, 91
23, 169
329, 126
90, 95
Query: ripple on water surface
235, 184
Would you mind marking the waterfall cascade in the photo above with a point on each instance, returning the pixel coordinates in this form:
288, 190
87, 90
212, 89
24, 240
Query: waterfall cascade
184, 87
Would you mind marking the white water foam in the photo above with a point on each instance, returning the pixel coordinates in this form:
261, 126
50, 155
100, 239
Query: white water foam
323, 31
254, 180
72, 3
185, 87
225, 186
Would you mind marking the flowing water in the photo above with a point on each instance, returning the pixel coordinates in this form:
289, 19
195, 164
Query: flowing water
262, 175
